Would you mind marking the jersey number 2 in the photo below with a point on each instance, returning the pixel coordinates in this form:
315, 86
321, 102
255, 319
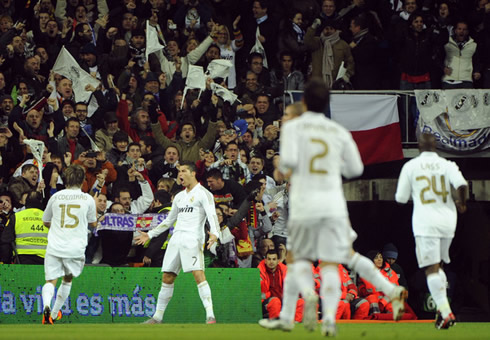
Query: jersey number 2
431, 184
322, 154
68, 211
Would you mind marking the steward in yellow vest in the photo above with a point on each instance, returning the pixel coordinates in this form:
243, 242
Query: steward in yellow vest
25, 234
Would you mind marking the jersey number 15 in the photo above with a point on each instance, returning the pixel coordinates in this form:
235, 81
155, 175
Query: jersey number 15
68, 211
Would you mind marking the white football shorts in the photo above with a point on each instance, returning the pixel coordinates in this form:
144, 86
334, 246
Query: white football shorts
184, 252
325, 239
56, 267
432, 250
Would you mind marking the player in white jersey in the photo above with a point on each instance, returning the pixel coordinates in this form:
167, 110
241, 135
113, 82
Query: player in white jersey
68, 215
315, 153
428, 179
189, 211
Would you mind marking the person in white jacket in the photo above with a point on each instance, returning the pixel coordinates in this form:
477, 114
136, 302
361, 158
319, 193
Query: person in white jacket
168, 66
460, 65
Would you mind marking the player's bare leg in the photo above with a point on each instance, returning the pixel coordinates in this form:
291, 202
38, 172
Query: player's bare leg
164, 296
436, 281
367, 270
205, 295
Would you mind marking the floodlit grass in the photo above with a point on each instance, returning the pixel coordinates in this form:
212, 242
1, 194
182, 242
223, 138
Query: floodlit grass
396, 331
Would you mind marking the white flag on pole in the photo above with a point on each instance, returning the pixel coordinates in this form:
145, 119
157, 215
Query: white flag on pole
37, 150
152, 43
68, 67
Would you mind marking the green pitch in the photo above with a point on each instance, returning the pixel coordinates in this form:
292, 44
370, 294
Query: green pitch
400, 331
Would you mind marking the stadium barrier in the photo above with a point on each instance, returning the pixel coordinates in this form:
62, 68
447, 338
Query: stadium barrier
129, 295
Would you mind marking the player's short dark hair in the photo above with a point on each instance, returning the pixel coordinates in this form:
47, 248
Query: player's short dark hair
214, 173
190, 165
316, 95
74, 176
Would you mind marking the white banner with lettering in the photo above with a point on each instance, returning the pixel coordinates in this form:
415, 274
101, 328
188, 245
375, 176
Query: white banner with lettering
459, 119
131, 222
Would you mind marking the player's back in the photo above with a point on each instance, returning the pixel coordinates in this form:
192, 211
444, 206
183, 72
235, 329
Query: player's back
69, 211
430, 178
319, 151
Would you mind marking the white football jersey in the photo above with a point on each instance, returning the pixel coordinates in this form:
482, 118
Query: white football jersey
190, 210
69, 211
428, 179
318, 151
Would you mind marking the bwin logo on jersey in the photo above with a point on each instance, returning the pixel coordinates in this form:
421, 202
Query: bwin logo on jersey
186, 209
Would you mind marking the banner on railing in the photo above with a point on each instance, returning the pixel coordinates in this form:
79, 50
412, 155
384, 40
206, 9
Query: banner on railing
459, 119
466, 109
131, 222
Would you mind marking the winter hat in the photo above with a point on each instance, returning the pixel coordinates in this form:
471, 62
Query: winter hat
390, 251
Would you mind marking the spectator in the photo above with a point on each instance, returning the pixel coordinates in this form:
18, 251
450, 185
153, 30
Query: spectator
365, 52
142, 203
231, 166
69, 141
98, 171
415, 52
115, 243
104, 136
287, 78
120, 142
19, 236
462, 66
390, 254
292, 40
228, 47
272, 274
328, 52
224, 191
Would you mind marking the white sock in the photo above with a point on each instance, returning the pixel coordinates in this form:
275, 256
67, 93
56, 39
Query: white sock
47, 293
437, 289
443, 276
290, 295
304, 277
61, 296
330, 291
207, 301
164, 297
366, 269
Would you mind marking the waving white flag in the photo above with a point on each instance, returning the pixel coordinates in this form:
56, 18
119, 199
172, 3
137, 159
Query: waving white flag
68, 67
152, 43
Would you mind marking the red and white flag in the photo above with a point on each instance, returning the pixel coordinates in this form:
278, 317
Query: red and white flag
373, 122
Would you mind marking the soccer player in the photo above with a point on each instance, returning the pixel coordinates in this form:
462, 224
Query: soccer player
428, 179
190, 208
68, 215
315, 153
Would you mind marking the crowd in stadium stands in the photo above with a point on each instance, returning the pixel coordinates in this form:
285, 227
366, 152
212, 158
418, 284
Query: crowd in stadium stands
139, 122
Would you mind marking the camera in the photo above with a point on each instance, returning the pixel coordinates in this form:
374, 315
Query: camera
92, 154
